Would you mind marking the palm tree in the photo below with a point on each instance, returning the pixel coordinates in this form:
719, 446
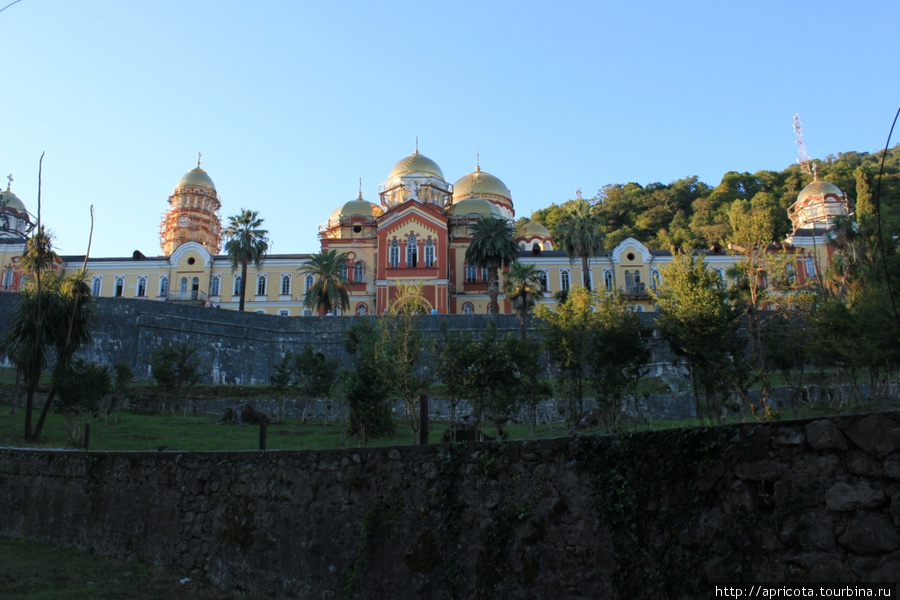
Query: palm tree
55, 319
523, 289
580, 235
330, 287
492, 246
246, 243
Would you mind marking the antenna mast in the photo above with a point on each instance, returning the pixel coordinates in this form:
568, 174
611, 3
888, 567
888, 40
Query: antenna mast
803, 159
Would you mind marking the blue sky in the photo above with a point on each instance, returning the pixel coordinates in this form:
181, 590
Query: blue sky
292, 103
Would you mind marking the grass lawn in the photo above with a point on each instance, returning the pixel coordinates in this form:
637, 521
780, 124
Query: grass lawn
134, 431
41, 571
197, 433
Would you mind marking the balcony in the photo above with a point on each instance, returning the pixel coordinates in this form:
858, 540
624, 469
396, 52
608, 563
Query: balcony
637, 290
195, 297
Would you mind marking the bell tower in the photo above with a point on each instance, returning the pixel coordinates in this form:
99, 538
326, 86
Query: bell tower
193, 214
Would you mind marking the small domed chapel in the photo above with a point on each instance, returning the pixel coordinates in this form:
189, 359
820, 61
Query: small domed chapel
417, 231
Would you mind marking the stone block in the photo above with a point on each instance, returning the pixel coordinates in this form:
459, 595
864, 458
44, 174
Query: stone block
863, 464
877, 434
892, 466
823, 435
787, 437
762, 470
844, 496
870, 533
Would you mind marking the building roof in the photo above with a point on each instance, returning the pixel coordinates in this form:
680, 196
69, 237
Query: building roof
196, 177
479, 182
416, 163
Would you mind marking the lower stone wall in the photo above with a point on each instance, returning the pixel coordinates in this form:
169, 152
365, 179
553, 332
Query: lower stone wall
651, 515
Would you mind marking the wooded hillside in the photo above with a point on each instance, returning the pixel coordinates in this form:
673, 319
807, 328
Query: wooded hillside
693, 214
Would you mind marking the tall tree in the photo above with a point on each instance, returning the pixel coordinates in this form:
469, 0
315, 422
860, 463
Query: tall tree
618, 356
330, 287
581, 235
752, 237
246, 244
567, 334
493, 246
408, 372
523, 290
700, 324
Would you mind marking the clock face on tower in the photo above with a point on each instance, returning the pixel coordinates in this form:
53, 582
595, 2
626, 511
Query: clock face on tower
184, 221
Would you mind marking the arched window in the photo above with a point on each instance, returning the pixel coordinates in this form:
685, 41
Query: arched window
654, 279
345, 271
629, 281
238, 285
215, 286
163, 286
362, 309
543, 281
8, 279
307, 312
284, 312
395, 254
261, 285
338, 311
96, 284
285, 284
308, 283
471, 273
412, 251
142, 287
183, 287
484, 274
359, 271
590, 278
564, 279
721, 273
429, 252
120, 287
468, 309
608, 279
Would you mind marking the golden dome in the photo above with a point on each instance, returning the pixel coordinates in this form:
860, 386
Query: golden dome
479, 182
10, 200
356, 208
818, 190
196, 176
474, 207
416, 163
532, 229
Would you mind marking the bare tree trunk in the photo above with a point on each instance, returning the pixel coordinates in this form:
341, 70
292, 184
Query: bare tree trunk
243, 286
17, 392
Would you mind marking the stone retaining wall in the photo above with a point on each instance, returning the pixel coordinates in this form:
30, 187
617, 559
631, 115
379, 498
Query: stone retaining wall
650, 515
